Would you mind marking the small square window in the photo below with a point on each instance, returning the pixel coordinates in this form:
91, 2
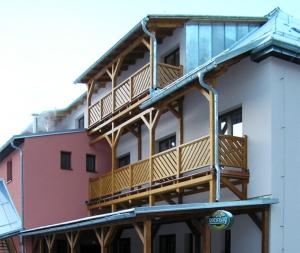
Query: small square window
90, 163
65, 160
231, 123
123, 160
167, 143
9, 171
173, 57
80, 122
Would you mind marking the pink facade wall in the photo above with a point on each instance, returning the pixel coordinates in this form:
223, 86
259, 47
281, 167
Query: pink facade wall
14, 185
53, 195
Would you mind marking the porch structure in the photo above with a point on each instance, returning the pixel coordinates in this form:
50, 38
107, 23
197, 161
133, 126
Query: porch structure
146, 222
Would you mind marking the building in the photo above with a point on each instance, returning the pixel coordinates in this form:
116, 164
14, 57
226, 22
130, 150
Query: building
185, 102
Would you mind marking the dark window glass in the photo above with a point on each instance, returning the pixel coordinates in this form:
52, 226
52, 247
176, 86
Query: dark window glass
231, 123
124, 245
167, 244
173, 58
167, 143
90, 163
65, 160
81, 123
123, 160
9, 171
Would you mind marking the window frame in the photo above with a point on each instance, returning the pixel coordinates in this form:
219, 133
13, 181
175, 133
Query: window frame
93, 156
124, 156
79, 120
172, 52
9, 172
164, 139
228, 116
62, 154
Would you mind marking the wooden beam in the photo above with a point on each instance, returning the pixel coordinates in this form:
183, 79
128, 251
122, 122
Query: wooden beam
257, 221
265, 230
147, 236
169, 188
206, 238
139, 231
133, 45
147, 44
72, 238
49, 241
167, 199
233, 188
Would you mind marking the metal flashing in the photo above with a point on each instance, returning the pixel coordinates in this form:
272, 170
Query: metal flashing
10, 222
149, 210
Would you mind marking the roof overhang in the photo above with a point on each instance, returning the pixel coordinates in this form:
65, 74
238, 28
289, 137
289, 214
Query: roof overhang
139, 213
163, 25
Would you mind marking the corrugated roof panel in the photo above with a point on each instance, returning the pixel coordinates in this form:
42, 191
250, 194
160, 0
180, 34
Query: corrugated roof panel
10, 221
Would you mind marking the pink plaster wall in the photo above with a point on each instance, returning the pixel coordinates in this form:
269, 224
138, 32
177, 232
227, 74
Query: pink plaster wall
14, 185
54, 195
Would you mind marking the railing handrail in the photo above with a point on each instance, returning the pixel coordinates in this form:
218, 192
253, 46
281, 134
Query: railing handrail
169, 66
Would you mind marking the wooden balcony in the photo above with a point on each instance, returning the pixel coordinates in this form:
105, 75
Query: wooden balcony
131, 90
185, 166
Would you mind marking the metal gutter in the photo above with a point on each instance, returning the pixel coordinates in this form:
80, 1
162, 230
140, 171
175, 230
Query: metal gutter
21, 155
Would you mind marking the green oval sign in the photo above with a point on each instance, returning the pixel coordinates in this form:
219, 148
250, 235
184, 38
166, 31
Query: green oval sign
220, 220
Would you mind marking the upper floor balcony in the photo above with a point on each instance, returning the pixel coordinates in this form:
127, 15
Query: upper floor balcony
129, 92
185, 169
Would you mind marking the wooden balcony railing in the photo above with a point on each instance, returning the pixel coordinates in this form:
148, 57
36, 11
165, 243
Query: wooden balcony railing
131, 89
175, 162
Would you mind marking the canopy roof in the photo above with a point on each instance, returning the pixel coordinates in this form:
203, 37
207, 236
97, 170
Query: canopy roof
10, 222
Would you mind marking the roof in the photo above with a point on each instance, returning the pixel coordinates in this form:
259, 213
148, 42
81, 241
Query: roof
279, 36
150, 210
170, 22
10, 222
18, 140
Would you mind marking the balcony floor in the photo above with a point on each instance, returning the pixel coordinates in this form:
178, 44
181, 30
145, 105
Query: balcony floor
173, 187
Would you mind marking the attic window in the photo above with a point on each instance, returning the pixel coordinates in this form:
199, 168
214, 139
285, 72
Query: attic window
173, 58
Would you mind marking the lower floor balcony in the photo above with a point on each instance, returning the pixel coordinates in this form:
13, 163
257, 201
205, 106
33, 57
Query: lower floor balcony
177, 172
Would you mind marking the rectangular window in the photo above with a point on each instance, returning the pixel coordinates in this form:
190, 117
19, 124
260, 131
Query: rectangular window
167, 243
65, 160
9, 171
231, 123
173, 58
167, 143
123, 160
90, 163
80, 122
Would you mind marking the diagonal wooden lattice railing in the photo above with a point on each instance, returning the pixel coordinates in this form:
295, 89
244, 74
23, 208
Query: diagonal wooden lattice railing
134, 87
175, 162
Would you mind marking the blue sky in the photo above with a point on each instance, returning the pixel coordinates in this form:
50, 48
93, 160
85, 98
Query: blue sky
45, 45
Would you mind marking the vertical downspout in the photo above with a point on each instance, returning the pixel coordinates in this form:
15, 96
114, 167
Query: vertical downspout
154, 50
216, 131
21, 190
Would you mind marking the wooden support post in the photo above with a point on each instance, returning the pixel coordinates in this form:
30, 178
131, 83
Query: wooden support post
72, 238
181, 124
41, 245
139, 141
212, 188
105, 237
265, 230
151, 200
148, 236
50, 241
206, 239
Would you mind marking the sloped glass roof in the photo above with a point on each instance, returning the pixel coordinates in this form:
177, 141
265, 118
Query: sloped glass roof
10, 222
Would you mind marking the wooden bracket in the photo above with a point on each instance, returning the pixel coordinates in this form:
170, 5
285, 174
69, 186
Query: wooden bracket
49, 241
233, 188
72, 238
